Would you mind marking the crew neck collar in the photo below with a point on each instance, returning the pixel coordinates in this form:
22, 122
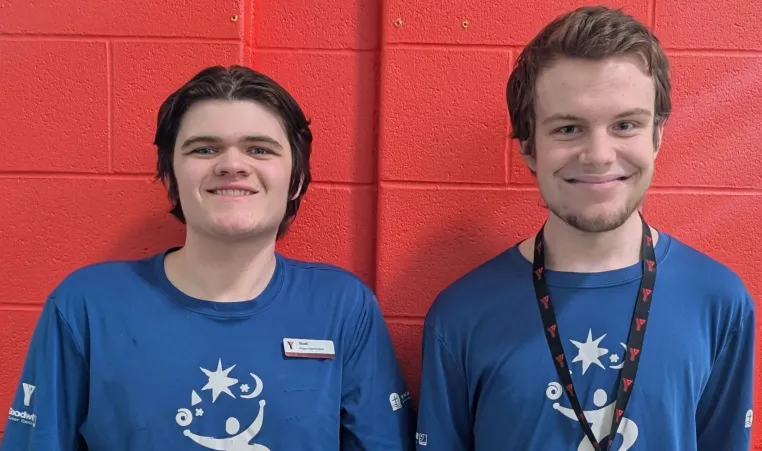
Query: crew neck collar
596, 279
217, 308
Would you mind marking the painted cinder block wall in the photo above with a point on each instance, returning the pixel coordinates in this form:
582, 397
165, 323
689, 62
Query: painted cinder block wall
416, 181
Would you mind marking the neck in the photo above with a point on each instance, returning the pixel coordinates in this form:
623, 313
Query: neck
208, 269
569, 249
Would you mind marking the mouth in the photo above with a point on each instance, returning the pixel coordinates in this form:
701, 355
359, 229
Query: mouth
597, 180
232, 192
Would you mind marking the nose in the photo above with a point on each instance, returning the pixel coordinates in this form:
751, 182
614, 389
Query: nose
232, 162
600, 149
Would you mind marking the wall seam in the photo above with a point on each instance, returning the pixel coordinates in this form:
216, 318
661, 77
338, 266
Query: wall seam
246, 34
110, 106
380, 79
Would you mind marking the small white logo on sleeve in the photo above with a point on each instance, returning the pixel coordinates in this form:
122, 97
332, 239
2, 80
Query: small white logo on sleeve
396, 400
22, 416
421, 439
749, 418
28, 390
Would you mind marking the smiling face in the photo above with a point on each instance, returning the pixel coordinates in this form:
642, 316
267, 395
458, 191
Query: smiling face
594, 140
232, 162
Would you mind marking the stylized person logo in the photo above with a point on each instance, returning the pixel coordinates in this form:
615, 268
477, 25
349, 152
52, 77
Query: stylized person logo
598, 419
237, 441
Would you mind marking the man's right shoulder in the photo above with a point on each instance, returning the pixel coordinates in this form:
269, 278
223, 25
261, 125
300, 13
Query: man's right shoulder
97, 281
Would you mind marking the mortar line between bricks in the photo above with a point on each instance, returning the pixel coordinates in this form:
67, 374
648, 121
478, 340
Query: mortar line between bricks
499, 186
330, 184
405, 320
378, 88
302, 50
512, 55
256, 13
110, 106
20, 306
693, 51
75, 175
247, 23
448, 46
712, 52
115, 38
242, 52
703, 190
145, 177
509, 161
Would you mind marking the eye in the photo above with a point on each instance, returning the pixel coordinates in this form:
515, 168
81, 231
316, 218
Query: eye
625, 126
203, 151
260, 151
567, 129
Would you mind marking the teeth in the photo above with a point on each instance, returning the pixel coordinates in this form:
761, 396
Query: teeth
232, 192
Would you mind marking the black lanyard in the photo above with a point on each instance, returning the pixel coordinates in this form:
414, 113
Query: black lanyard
634, 341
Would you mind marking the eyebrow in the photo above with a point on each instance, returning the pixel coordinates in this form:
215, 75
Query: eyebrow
571, 117
216, 139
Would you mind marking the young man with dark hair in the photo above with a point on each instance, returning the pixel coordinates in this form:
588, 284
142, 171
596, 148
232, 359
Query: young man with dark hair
599, 332
223, 343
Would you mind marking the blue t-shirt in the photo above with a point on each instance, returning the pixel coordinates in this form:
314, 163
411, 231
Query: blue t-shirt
122, 360
489, 382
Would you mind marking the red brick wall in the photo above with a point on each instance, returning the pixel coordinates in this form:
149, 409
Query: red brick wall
415, 179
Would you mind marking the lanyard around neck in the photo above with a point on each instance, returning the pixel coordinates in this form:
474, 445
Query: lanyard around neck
634, 342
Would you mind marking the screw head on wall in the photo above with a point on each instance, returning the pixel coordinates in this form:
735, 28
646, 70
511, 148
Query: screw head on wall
398, 23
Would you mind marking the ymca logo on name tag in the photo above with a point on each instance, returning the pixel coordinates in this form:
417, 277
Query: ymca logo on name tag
309, 349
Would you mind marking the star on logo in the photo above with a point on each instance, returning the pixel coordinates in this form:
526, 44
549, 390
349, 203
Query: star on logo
589, 352
199, 412
219, 382
614, 358
245, 388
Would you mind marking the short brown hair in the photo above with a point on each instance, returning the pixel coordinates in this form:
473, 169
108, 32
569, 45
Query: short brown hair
589, 32
235, 83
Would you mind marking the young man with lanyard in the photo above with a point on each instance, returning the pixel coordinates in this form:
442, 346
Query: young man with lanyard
221, 344
599, 322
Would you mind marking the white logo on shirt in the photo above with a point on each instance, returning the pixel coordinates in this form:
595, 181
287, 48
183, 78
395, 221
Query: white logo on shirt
24, 417
220, 383
590, 353
749, 418
20, 415
599, 419
396, 400
422, 439
28, 390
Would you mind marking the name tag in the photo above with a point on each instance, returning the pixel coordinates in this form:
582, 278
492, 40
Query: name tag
310, 349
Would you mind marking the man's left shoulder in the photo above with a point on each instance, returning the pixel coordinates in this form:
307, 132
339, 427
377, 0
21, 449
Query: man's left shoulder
328, 281
714, 278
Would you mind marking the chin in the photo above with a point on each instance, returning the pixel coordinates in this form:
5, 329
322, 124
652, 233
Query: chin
601, 219
238, 230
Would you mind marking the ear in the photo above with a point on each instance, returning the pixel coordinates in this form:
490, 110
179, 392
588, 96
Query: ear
530, 160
